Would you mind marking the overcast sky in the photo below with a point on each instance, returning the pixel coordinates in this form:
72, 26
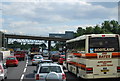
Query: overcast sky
44, 17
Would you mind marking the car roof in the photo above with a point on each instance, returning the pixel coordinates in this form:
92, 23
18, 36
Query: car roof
49, 64
46, 60
62, 55
11, 56
37, 55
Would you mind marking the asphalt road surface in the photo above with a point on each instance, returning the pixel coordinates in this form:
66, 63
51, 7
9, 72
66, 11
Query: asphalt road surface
24, 72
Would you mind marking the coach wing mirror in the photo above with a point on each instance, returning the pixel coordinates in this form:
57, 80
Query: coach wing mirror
34, 71
4, 66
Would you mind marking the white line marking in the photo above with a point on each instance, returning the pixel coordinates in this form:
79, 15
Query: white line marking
22, 77
26, 66
27, 62
65, 70
25, 70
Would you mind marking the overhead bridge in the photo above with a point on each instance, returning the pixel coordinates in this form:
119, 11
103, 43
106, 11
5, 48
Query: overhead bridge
34, 37
49, 39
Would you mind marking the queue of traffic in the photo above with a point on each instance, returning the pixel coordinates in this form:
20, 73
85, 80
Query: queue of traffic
37, 60
92, 56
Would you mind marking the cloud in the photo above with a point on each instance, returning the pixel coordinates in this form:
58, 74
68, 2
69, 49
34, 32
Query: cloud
43, 17
1, 23
59, 0
55, 12
35, 28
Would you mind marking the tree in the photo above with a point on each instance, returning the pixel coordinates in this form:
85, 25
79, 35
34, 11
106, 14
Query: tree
106, 27
80, 31
89, 30
115, 26
97, 30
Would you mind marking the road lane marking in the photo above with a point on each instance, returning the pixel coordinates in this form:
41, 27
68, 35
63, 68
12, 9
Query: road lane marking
65, 70
25, 70
22, 77
26, 66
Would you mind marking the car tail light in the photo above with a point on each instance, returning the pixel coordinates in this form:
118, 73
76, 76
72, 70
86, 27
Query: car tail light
89, 70
1, 69
103, 35
37, 77
63, 76
117, 35
33, 60
118, 69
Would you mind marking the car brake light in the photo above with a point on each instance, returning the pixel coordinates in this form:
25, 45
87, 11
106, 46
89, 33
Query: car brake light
103, 35
63, 76
118, 69
117, 35
33, 60
37, 77
89, 70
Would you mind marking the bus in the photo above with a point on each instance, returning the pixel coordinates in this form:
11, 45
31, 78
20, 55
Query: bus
94, 56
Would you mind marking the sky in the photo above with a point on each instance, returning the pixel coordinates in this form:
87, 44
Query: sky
41, 17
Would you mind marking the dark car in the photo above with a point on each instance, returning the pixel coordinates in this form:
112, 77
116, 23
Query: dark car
55, 55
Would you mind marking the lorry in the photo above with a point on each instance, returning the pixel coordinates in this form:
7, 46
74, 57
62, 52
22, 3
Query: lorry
34, 51
20, 55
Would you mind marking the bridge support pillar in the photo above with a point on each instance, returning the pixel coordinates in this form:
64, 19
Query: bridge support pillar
49, 48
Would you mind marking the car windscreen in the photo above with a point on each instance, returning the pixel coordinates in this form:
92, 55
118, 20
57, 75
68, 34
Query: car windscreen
62, 56
11, 58
103, 44
48, 69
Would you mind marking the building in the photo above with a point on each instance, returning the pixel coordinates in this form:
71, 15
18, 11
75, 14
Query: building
1, 39
67, 35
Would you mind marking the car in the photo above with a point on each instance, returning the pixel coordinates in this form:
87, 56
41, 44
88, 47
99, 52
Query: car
55, 57
36, 59
3, 71
50, 72
11, 61
45, 61
61, 59
20, 55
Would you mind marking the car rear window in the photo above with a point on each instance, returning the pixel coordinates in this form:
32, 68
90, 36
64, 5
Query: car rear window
47, 69
38, 57
62, 56
46, 62
11, 58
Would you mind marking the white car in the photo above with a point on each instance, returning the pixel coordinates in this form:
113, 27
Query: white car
3, 71
36, 59
50, 72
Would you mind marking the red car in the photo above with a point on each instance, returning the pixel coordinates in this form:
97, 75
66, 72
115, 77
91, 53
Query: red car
61, 59
11, 61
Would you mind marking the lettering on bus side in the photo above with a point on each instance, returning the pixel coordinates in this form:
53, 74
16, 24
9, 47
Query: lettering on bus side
104, 63
104, 55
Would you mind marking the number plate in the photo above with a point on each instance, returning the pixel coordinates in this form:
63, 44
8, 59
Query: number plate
104, 70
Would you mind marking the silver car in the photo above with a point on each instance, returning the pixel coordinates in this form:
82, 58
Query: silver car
50, 72
36, 59
3, 71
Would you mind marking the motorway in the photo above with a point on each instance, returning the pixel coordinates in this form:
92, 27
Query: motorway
24, 72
